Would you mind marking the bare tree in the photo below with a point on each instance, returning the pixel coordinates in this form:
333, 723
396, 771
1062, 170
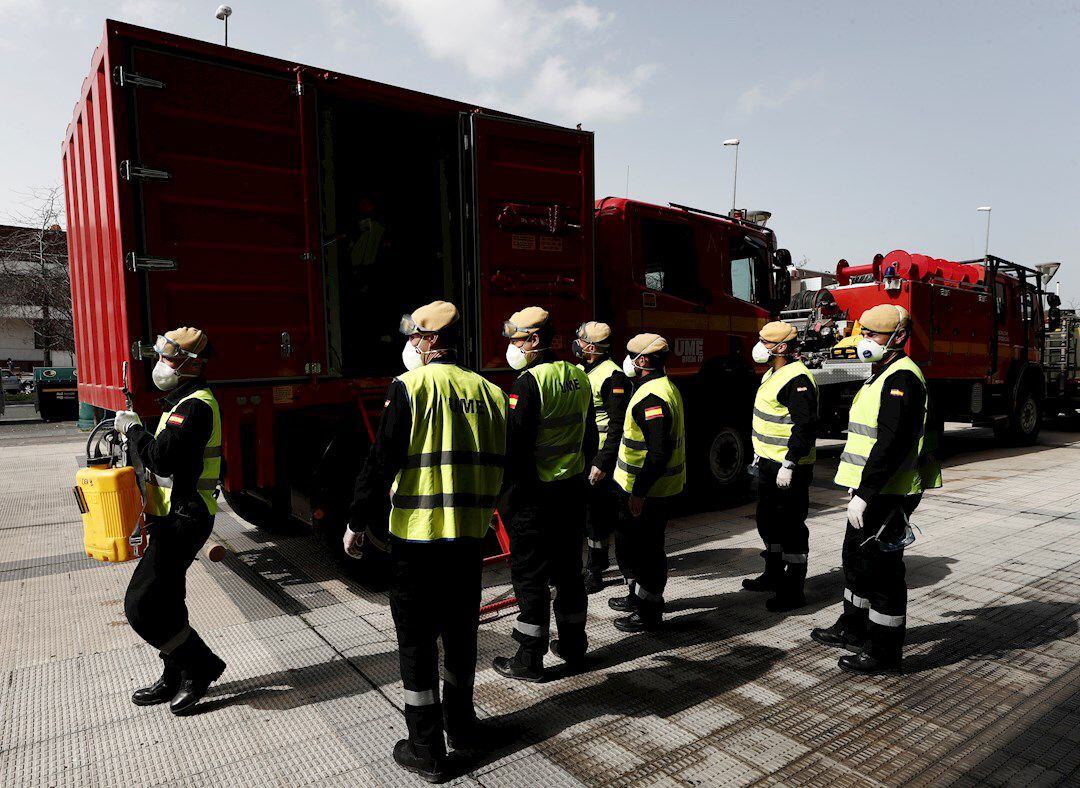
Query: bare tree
34, 280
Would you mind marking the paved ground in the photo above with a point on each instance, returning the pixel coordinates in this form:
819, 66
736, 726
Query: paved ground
726, 694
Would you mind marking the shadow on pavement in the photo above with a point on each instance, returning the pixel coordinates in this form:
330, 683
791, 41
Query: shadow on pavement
671, 684
991, 632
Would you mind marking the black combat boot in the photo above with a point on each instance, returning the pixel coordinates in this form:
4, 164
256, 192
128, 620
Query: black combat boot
641, 620
594, 581
524, 666
573, 657
625, 604
866, 664
837, 637
789, 592
424, 762
770, 579
162, 690
200, 667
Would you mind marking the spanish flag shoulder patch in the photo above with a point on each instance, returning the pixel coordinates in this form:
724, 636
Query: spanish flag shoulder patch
896, 392
618, 391
655, 412
801, 388
176, 419
513, 400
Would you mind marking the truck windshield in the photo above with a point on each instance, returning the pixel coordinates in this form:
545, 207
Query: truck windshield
671, 260
748, 271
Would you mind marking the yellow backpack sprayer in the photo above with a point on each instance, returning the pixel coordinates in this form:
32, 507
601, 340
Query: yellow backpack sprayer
110, 496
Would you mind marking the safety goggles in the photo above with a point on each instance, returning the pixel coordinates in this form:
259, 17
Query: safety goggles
509, 329
584, 340
167, 348
907, 538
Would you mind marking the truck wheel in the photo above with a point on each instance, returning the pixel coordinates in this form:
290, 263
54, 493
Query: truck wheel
721, 473
1025, 421
256, 512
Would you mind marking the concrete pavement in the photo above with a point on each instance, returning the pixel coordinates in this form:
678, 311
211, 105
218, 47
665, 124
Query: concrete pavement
726, 694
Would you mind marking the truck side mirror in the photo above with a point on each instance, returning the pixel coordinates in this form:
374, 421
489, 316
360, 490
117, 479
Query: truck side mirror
782, 258
1053, 300
1053, 318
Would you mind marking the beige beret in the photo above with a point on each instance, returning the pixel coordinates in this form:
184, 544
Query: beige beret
430, 318
525, 323
189, 338
885, 318
594, 333
778, 331
646, 343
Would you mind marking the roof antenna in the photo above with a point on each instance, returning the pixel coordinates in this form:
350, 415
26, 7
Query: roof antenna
223, 13
628, 181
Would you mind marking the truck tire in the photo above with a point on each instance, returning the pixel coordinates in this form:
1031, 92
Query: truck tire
1024, 422
718, 470
257, 512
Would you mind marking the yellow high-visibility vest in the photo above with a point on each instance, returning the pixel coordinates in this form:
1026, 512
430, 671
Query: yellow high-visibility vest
862, 435
159, 488
632, 450
598, 376
771, 426
565, 393
449, 484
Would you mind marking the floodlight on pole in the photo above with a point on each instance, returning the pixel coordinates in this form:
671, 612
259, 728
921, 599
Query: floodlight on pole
223, 13
734, 142
987, 209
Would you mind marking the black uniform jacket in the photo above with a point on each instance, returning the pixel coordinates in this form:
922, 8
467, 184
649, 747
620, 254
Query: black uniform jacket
178, 450
658, 441
800, 398
615, 394
523, 426
900, 423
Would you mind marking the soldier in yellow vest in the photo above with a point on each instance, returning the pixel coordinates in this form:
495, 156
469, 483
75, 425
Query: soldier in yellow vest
885, 469
784, 432
611, 391
551, 435
650, 471
182, 462
440, 451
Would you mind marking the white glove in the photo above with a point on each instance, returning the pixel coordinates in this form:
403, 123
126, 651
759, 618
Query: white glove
353, 543
856, 508
124, 421
783, 476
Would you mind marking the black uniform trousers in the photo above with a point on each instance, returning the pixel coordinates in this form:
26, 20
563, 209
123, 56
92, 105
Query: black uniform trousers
875, 596
601, 516
435, 594
547, 524
154, 602
641, 553
781, 521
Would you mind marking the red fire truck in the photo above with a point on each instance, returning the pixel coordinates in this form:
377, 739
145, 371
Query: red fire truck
977, 333
296, 213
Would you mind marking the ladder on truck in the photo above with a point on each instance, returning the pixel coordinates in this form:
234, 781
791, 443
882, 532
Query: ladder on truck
503, 600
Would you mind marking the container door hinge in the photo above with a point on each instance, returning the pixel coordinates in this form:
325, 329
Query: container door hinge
313, 368
465, 139
298, 89
129, 79
129, 171
141, 351
307, 257
136, 263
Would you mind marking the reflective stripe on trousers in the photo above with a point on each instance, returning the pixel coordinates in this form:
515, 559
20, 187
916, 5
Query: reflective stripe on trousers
860, 602
420, 698
885, 620
530, 630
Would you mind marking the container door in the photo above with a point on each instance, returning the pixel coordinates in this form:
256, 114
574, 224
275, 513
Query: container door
221, 187
528, 206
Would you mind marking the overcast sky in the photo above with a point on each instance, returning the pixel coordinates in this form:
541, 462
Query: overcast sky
866, 126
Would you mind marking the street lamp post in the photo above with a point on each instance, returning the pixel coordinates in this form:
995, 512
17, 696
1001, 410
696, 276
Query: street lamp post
735, 181
986, 252
223, 13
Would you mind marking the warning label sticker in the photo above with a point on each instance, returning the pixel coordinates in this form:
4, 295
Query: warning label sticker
525, 242
551, 244
283, 395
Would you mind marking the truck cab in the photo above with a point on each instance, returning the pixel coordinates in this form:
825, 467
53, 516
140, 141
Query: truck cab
707, 282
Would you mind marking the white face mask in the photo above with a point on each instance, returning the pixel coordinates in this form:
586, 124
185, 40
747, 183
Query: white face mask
760, 353
628, 367
516, 357
411, 356
164, 376
869, 350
